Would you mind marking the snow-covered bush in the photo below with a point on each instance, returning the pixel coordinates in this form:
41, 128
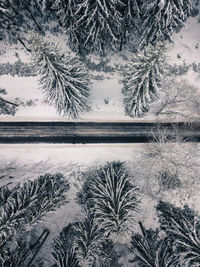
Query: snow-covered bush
64, 80
168, 161
18, 68
142, 79
168, 181
6, 107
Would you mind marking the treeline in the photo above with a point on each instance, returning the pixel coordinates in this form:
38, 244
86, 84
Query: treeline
97, 25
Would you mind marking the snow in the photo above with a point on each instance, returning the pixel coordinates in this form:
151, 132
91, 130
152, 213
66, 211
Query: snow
84, 154
185, 42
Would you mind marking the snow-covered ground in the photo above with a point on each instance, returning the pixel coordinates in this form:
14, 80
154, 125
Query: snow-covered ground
186, 43
106, 99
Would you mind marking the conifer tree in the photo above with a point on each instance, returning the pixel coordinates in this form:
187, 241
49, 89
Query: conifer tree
91, 25
131, 12
182, 226
68, 14
142, 79
102, 22
115, 199
88, 238
25, 205
63, 248
151, 251
64, 80
162, 17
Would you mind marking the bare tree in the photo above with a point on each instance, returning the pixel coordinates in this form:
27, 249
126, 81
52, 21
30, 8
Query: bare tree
178, 100
169, 166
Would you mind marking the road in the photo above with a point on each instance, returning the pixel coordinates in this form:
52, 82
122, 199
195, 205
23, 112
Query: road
91, 132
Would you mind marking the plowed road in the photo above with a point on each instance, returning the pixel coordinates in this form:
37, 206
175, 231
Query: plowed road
91, 132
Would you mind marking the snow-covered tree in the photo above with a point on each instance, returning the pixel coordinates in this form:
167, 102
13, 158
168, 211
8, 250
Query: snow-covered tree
182, 226
63, 248
162, 17
23, 206
142, 79
18, 16
24, 11
152, 251
88, 238
91, 25
64, 80
115, 199
66, 12
130, 11
7, 107
102, 22
24, 251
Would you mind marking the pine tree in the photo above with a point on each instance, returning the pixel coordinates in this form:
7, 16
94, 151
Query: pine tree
130, 11
25, 205
23, 11
24, 250
114, 198
152, 251
12, 21
63, 248
91, 25
68, 14
182, 226
102, 22
142, 79
88, 238
162, 18
64, 80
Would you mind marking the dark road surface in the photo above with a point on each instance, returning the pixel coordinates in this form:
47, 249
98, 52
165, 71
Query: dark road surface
91, 132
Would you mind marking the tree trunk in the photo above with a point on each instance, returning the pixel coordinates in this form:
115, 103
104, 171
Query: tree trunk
22, 42
8, 102
33, 18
